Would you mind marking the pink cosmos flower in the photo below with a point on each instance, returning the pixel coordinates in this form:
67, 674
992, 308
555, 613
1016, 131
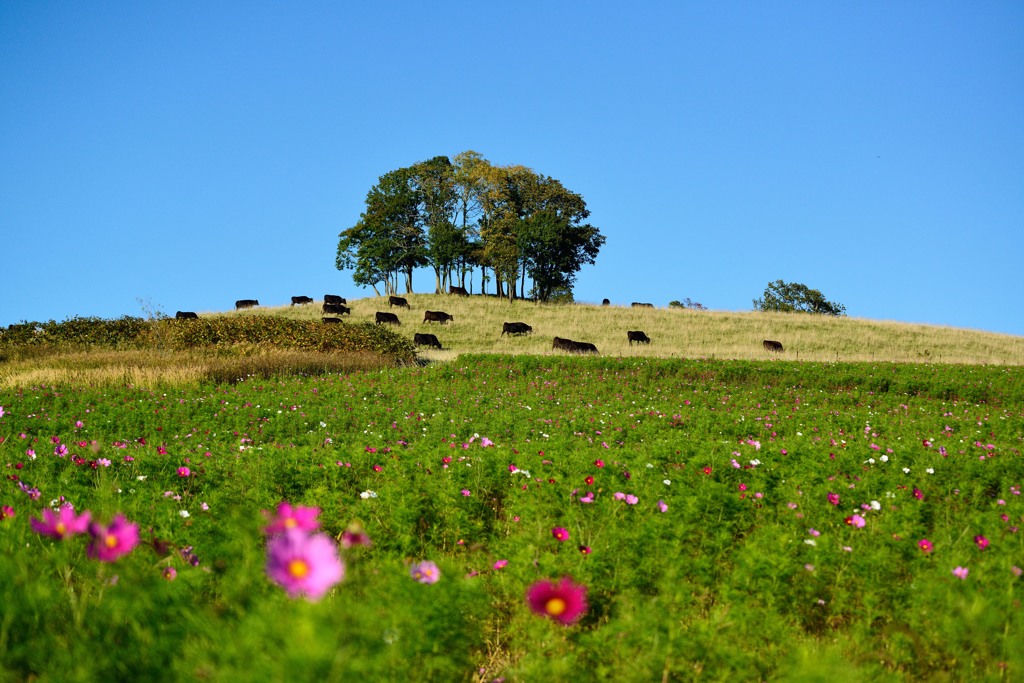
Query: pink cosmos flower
299, 517
355, 535
925, 545
465, 492
111, 542
304, 564
981, 542
856, 521
6, 512
184, 472
619, 495
631, 499
560, 533
485, 442
1, 411
565, 601
501, 564
170, 573
425, 572
833, 498
961, 572
662, 506
61, 524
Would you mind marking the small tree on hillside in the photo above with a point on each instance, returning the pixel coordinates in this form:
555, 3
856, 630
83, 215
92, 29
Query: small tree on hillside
795, 297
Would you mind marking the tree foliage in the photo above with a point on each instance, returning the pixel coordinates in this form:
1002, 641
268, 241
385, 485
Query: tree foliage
467, 213
795, 297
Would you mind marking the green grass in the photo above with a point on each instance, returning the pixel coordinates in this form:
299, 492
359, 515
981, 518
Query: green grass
723, 585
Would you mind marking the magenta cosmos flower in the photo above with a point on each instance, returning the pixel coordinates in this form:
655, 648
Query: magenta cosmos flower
111, 542
61, 524
565, 601
299, 517
560, 533
425, 572
304, 564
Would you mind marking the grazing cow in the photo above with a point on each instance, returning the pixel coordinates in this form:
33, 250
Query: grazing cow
571, 346
773, 346
605, 302
398, 301
246, 303
461, 291
637, 336
336, 309
437, 316
301, 300
185, 315
637, 304
334, 299
331, 320
426, 340
383, 317
516, 328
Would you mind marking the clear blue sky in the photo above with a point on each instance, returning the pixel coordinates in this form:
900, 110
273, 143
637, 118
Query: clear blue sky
189, 154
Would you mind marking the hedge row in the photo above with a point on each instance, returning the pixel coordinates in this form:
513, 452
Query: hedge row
262, 331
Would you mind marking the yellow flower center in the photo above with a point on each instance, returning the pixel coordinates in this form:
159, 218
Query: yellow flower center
60, 528
290, 523
555, 606
298, 568
110, 540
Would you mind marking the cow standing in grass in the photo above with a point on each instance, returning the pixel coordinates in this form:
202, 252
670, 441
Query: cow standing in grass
637, 336
385, 318
301, 300
438, 317
426, 340
516, 328
399, 301
246, 303
455, 289
334, 299
772, 346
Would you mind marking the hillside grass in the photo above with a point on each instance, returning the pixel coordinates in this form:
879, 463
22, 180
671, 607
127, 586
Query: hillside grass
677, 333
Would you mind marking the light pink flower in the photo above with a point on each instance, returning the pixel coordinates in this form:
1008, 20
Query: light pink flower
961, 572
425, 572
111, 542
299, 517
662, 506
304, 564
62, 524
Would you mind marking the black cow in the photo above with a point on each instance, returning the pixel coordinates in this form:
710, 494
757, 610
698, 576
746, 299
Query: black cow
637, 336
461, 291
246, 303
301, 300
334, 299
426, 340
516, 328
637, 304
572, 346
398, 301
605, 302
773, 346
186, 315
331, 320
437, 316
336, 309
383, 317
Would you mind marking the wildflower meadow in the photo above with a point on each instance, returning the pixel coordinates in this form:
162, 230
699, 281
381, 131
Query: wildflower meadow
499, 518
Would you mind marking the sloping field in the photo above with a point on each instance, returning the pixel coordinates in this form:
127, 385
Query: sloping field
678, 332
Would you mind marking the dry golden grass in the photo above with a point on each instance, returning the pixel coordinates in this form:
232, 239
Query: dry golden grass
151, 368
679, 332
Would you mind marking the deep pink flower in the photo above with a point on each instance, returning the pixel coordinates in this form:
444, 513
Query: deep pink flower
565, 601
299, 517
62, 524
111, 542
925, 545
355, 535
304, 564
599, 463
425, 572
6, 512
501, 564
981, 542
560, 533
170, 573
466, 492
184, 472
833, 498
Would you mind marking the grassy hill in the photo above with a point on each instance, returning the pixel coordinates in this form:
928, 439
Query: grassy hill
677, 332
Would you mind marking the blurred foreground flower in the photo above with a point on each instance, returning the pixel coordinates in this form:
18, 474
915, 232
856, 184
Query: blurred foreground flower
299, 517
564, 601
111, 542
304, 564
354, 535
425, 572
61, 524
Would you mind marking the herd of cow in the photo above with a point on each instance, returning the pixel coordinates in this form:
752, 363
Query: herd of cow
334, 305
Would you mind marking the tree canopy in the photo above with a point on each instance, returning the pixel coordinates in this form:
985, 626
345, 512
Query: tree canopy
796, 297
460, 214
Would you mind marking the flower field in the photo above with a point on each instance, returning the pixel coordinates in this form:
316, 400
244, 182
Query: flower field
519, 518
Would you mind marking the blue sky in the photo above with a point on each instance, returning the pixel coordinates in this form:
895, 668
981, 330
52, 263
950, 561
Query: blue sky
189, 154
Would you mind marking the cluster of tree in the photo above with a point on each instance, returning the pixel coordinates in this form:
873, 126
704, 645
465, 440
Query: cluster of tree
456, 215
796, 297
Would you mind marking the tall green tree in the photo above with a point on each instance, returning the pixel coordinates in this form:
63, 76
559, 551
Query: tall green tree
796, 297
